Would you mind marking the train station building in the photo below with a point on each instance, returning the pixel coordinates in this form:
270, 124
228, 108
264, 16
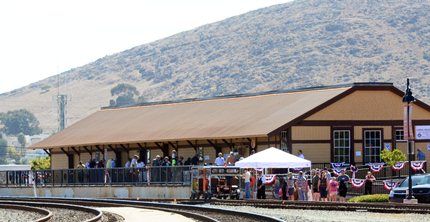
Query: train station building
347, 123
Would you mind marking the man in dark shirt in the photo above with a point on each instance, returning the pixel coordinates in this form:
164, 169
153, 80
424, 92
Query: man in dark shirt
343, 187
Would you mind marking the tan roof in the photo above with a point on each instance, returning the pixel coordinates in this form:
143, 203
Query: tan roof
240, 117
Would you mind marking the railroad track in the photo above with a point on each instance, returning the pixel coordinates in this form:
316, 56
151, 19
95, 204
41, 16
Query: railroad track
51, 211
198, 213
335, 206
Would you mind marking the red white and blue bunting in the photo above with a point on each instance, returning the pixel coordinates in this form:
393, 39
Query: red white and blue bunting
337, 165
389, 185
398, 166
417, 165
376, 167
337, 170
269, 179
297, 169
357, 183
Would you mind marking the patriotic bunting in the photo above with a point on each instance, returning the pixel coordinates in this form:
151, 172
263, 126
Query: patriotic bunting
376, 167
357, 183
398, 166
338, 165
269, 179
417, 165
337, 170
389, 185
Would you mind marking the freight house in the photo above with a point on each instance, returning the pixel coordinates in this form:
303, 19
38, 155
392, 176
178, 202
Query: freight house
349, 123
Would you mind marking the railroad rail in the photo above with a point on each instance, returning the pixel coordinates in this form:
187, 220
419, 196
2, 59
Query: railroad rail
199, 213
41, 207
335, 206
46, 214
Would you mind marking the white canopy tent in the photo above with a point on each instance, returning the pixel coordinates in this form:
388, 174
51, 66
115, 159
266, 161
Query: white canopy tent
273, 158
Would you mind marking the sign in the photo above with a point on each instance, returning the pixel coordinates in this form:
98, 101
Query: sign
422, 132
428, 147
225, 170
407, 122
387, 146
357, 153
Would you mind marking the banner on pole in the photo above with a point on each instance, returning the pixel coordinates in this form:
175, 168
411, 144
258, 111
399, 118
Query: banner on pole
407, 122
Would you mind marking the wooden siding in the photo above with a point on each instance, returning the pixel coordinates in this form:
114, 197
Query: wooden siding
368, 105
310, 132
358, 131
59, 161
317, 153
358, 147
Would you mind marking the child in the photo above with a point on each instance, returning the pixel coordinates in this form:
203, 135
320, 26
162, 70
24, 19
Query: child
333, 186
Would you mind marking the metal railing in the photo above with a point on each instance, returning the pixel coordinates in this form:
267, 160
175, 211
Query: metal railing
178, 175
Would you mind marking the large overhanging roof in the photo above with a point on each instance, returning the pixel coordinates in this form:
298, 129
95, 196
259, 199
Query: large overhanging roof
223, 118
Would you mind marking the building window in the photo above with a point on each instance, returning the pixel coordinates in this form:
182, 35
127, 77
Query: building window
399, 135
341, 146
284, 141
372, 146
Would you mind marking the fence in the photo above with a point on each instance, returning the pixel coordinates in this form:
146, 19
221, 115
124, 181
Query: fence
179, 175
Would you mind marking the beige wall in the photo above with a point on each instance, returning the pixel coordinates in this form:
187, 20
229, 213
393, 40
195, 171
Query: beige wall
358, 147
59, 161
152, 192
358, 131
402, 147
317, 153
368, 105
310, 132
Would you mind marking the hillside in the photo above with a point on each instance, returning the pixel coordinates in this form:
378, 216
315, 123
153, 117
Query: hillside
298, 44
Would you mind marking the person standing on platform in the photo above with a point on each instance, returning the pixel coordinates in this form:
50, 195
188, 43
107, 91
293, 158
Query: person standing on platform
422, 157
247, 177
315, 186
219, 161
302, 186
333, 185
353, 169
290, 186
343, 185
323, 186
261, 187
368, 183
301, 155
231, 159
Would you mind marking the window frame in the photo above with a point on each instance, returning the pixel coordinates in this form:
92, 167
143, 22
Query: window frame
372, 157
346, 157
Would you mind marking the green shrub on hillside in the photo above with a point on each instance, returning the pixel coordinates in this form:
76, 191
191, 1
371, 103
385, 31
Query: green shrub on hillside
370, 198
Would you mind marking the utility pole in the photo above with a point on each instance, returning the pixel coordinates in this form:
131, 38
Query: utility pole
408, 99
61, 107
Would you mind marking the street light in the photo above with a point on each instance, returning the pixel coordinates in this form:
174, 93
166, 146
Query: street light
408, 133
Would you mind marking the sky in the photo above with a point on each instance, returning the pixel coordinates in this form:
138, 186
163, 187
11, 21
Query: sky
42, 38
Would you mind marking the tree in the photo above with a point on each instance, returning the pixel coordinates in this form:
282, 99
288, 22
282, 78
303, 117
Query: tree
41, 163
3, 151
392, 157
21, 140
20, 121
125, 95
13, 154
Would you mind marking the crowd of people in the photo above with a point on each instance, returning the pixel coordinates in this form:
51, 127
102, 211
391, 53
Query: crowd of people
319, 185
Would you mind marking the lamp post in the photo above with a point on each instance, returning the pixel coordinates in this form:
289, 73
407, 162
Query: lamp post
408, 133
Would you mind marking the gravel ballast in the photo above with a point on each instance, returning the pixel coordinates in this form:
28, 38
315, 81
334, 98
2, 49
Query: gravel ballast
18, 215
324, 216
